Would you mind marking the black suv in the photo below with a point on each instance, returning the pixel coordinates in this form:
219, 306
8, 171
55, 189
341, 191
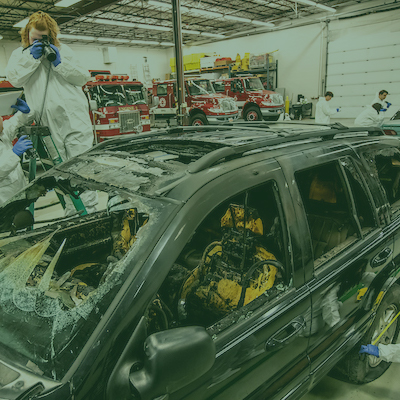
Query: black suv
228, 262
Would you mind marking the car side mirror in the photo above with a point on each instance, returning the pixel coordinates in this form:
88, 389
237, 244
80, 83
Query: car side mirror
156, 101
173, 359
93, 105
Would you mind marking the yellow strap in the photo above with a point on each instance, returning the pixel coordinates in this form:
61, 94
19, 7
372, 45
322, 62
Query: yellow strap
390, 323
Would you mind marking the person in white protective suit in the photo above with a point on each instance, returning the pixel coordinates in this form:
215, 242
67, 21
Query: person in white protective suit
386, 352
380, 98
370, 116
55, 89
12, 178
323, 112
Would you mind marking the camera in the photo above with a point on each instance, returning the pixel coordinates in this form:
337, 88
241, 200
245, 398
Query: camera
48, 52
32, 130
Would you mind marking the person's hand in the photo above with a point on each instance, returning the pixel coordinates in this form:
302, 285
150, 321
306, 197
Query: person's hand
388, 104
36, 49
22, 145
383, 109
21, 106
369, 349
58, 56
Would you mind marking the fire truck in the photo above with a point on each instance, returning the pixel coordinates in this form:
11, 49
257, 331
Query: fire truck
117, 105
204, 105
255, 102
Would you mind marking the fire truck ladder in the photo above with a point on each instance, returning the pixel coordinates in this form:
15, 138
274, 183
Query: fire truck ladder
46, 151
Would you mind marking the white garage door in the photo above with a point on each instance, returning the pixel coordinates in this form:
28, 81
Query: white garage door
360, 65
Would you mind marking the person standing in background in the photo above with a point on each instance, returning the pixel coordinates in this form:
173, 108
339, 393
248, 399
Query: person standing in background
380, 98
323, 112
55, 87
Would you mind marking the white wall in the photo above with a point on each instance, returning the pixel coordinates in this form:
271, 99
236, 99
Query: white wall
128, 59
298, 56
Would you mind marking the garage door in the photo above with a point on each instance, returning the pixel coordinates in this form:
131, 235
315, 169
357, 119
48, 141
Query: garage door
360, 64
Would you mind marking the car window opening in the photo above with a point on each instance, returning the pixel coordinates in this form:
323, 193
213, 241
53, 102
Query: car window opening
235, 257
334, 221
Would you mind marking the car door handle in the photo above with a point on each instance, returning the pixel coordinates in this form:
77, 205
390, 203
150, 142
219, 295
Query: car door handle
286, 334
381, 257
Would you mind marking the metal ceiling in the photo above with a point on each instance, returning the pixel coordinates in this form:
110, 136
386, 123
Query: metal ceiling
96, 19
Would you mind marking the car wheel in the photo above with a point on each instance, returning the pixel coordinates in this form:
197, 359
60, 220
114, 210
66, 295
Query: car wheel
197, 120
366, 368
252, 114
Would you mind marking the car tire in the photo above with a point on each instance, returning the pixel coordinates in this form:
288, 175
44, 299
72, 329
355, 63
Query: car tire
198, 120
252, 114
365, 368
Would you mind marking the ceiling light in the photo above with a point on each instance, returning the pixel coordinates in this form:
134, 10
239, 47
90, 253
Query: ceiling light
21, 24
143, 42
216, 35
313, 3
191, 32
270, 24
160, 4
1, 37
240, 19
167, 44
66, 3
75, 37
128, 24
113, 40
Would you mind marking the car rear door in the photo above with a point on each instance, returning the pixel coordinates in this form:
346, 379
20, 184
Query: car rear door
349, 247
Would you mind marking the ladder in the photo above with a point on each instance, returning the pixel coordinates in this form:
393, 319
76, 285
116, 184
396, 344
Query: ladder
146, 73
45, 150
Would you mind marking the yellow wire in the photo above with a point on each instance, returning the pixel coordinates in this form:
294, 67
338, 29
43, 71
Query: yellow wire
391, 322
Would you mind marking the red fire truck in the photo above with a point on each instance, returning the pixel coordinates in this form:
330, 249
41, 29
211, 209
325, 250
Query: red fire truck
255, 102
117, 105
204, 105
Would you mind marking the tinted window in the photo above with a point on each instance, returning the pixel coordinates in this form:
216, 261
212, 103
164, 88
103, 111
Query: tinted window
219, 87
108, 95
162, 89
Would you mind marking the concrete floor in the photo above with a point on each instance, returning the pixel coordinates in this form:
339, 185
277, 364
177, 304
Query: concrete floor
387, 387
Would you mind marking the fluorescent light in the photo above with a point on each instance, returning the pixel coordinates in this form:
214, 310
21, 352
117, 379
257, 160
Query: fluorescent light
191, 32
143, 42
75, 37
66, 3
128, 24
270, 24
160, 4
216, 35
102, 39
202, 13
313, 3
240, 19
167, 44
1, 37
21, 24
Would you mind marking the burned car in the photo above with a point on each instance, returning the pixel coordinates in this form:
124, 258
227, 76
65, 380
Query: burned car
229, 262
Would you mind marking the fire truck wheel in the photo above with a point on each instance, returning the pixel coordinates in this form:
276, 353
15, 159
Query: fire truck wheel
252, 114
198, 119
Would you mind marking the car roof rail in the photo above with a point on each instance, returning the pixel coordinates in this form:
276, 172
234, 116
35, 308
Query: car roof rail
275, 138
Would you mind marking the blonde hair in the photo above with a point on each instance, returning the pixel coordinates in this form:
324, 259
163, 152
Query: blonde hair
42, 22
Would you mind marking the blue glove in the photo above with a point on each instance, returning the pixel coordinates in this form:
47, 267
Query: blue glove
58, 57
338, 109
383, 109
22, 146
21, 106
388, 104
370, 349
36, 49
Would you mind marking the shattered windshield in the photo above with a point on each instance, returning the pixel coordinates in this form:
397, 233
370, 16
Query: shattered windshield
200, 86
59, 274
253, 84
134, 94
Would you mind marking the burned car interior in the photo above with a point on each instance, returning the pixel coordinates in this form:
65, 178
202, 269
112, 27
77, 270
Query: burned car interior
235, 256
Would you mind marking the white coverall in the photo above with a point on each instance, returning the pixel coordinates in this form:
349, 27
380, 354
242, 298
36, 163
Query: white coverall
65, 110
378, 100
323, 112
12, 178
369, 117
389, 352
